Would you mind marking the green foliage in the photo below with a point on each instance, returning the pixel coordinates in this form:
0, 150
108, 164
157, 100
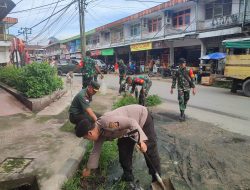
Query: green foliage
10, 75
153, 100
34, 80
39, 79
108, 155
126, 100
68, 127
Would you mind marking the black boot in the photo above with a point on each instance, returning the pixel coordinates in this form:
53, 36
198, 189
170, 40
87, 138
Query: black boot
182, 116
127, 176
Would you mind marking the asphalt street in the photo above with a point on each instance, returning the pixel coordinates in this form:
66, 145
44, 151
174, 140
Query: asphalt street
214, 105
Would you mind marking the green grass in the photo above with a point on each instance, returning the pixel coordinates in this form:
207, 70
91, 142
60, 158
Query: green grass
152, 100
68, 127
109, 154
126, 100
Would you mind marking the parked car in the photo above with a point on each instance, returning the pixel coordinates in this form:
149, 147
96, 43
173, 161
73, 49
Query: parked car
65, 66
102, 66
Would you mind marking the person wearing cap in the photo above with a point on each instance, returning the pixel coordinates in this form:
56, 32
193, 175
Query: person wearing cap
117, 124
89, 70
185, 80
80, 108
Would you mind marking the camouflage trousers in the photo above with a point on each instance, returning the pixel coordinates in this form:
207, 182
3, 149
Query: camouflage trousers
86, 81
183, 97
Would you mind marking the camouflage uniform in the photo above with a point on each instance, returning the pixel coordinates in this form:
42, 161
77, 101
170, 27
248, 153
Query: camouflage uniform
88, 71
146, 84
122, 71
184, 83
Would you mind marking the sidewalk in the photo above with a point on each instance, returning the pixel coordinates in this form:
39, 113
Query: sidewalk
56, 154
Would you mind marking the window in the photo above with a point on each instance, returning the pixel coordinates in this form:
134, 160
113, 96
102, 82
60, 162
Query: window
181, 18
218, 8
106, 36
155, 24
135, 30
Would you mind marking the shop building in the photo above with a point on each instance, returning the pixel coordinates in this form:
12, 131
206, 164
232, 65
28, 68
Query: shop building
5, 23
174, 29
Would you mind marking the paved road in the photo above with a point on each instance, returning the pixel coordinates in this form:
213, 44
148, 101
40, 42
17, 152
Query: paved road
214, 105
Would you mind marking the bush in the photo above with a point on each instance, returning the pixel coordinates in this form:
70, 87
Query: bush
34, 80
39, 79
10, 75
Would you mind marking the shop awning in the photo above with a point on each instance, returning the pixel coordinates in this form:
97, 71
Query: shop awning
106, 52
141, 46
241, 43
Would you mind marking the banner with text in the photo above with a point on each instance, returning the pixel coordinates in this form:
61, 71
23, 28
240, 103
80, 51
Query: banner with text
141, 46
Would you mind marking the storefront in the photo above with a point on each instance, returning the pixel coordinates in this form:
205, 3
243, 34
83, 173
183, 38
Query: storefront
107, 55
140, 54
122, 53
160, 52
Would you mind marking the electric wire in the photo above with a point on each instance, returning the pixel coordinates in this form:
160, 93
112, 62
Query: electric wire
52, 24
25, 10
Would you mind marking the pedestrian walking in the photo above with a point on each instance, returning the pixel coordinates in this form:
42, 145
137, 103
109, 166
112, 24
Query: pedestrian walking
185, 81
122, 70
80, 107
117, 124
89, 69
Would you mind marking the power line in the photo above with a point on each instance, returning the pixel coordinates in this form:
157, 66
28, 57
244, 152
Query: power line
19, 2
57, 20
53, 14
26, 10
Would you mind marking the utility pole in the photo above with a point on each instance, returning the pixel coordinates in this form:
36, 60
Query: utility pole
25, 31
244, 14
82, 7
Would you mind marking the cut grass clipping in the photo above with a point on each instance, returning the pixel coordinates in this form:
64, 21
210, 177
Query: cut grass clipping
152, 100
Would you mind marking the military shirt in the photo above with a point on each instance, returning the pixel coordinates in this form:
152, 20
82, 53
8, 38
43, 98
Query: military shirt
184, 81
89, 67
116, 124
122, 69
135, 83
80, 103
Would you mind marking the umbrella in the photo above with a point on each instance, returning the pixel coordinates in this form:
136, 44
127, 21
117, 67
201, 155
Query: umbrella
215, 56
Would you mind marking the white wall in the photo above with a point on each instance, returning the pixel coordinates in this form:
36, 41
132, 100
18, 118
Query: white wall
186, 42
4, 55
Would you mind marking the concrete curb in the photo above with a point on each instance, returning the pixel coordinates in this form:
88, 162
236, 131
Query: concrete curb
69, 168
32, 103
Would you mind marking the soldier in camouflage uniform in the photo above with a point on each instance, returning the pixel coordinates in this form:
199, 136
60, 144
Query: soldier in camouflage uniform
185, 81
89, 69
122, 70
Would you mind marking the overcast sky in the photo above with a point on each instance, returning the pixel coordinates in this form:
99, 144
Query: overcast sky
99, 12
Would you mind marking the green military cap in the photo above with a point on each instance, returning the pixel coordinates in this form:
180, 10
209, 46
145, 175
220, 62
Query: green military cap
120, 61
95, 85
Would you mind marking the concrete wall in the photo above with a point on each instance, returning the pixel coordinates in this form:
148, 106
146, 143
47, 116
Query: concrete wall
4, 51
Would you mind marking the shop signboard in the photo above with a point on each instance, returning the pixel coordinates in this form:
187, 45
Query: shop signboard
106, 52
159, 45
78, 45
141, 46
72, 47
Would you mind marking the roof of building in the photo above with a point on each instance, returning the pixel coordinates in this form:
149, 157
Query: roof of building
5, 7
